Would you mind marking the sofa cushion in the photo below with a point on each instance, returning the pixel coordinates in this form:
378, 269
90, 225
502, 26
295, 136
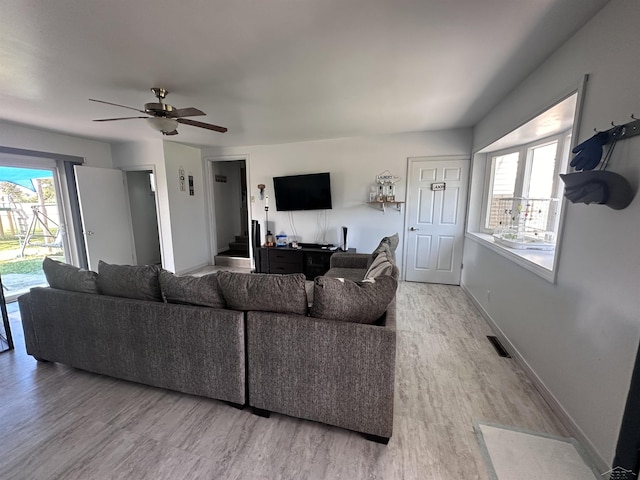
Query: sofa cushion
348, 301
387, 245
382, 265
355, 274
264, 292
130, 281
204, 291
68, 277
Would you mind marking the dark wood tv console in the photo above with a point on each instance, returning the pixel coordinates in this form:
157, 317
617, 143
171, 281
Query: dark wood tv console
310, 261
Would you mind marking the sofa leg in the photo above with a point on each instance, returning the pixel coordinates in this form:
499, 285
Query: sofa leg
260, 412
376, 438
239, 406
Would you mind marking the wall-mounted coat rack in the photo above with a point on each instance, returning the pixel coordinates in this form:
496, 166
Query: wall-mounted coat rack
628, 130
600, 186
620, 132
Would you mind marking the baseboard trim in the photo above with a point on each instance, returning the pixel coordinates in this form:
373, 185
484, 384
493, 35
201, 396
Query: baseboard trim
242, 262
193, 269
598, 462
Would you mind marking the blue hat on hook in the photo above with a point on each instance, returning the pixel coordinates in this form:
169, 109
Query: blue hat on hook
598, 186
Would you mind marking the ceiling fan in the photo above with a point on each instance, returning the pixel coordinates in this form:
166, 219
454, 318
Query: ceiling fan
164, 117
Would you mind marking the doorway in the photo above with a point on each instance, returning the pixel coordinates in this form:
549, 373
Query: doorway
436, 202
32, 224
230, 209
144, 216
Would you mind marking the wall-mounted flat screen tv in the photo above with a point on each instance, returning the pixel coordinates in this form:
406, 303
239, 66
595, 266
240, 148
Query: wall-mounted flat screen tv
303, 192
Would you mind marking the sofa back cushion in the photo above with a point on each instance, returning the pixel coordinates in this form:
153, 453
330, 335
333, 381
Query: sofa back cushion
264, 292
204, 291
130, 281
382, 265
68, 277
348, 301
387, 245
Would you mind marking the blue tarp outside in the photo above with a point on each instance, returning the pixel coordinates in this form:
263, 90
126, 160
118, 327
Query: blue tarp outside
23, 177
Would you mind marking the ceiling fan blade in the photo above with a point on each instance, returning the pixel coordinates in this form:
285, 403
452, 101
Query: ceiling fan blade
113, 119
116, 105
208, 126
186, 112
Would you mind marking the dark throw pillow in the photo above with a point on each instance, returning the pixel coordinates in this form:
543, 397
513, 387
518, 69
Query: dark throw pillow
68, 277
348, 301
130, 281
204, 291
264, 292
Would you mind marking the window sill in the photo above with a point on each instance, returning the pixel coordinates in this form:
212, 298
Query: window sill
536, 261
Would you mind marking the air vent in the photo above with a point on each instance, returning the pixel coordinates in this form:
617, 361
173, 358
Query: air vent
498, 346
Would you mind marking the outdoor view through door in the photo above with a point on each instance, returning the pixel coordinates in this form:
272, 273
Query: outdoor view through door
30, 227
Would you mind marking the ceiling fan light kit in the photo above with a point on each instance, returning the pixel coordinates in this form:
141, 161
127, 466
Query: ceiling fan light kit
163, 124
163, 117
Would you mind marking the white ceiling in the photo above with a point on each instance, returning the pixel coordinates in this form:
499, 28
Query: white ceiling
273, 71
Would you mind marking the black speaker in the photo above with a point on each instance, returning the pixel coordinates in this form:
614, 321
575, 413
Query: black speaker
255, 234
344, 239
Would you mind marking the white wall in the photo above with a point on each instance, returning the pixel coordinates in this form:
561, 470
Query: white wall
96, 154
227, 203
188, 218
580, 335
144, 219
353, 164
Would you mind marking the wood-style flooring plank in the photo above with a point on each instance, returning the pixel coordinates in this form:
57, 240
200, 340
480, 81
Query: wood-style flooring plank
60, 422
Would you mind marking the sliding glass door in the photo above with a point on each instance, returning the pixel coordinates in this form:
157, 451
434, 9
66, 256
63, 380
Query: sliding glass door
31, 224
6, 340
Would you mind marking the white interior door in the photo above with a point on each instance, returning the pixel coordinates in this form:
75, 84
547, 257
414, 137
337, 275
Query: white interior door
106, 221
437, 198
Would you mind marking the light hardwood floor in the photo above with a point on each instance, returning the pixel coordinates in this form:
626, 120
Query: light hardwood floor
57, 422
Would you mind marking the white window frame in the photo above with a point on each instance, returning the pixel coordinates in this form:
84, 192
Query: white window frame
523, 174
542, 263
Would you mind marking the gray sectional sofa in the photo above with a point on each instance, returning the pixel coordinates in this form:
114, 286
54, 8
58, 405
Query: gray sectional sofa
248, 339
190, 349
320, 368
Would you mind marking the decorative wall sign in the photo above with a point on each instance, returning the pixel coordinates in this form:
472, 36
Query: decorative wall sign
181, 178
438, 187
387, 178
221, 179
191, 192
384, 189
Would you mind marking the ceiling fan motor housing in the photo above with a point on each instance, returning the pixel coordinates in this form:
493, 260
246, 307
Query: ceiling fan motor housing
158, 109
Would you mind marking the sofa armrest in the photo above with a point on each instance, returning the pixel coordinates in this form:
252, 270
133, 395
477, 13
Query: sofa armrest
30, 339
349, 260
337, 373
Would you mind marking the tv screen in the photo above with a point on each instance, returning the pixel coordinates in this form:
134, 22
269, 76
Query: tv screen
303, 192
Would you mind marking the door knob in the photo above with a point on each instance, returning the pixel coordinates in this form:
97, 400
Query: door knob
413, 229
